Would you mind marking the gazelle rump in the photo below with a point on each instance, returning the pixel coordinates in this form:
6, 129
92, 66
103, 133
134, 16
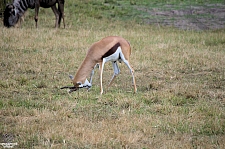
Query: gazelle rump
111, 48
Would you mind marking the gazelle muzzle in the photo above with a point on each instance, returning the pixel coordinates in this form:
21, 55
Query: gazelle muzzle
73, 88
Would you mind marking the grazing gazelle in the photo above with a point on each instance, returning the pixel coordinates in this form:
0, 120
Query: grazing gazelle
112, 48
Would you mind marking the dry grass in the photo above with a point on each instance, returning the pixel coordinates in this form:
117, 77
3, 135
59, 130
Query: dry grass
180, 101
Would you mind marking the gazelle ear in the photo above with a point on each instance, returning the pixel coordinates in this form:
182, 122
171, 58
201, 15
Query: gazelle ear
71, 77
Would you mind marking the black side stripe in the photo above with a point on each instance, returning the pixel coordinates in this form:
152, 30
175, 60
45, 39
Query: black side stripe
112, 50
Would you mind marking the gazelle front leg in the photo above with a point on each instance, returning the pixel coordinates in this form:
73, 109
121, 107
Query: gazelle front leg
92, 74
101, 64
116, 72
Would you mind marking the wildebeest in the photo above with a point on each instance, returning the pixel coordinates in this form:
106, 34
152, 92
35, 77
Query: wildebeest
13, 12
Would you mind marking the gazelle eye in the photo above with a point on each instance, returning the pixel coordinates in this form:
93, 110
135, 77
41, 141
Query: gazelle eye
78, 83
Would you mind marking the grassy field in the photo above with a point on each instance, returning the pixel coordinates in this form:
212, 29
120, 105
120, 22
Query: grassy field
180, 76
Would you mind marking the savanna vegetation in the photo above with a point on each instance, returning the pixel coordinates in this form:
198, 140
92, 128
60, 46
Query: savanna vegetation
180, 77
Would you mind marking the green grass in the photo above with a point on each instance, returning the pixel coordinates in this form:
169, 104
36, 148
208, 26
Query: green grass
180, 101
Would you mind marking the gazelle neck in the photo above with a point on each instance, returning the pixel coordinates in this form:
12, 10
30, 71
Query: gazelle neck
84, 71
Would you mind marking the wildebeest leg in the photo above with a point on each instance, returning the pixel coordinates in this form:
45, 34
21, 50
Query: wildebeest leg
56, 12
37, 5
61, 12
21, 21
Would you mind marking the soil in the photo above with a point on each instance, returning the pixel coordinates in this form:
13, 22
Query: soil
211, 16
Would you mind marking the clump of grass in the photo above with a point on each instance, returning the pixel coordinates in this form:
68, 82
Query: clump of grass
22, 81
41, 84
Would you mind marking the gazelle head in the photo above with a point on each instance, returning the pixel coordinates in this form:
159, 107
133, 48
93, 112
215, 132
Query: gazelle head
77, 85
10, 17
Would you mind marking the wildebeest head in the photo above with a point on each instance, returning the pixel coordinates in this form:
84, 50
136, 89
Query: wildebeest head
10, 16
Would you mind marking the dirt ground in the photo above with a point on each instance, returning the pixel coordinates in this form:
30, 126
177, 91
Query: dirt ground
210, 16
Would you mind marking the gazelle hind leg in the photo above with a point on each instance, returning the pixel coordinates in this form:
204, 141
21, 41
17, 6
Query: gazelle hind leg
116, 72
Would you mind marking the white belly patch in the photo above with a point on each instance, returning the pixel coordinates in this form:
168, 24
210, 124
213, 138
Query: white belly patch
115, 56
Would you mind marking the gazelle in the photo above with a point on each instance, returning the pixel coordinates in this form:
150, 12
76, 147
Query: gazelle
112, 48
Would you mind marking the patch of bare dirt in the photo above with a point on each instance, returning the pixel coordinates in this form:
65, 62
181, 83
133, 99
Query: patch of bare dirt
211, 16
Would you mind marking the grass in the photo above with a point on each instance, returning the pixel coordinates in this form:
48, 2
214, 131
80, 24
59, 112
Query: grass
180, 76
